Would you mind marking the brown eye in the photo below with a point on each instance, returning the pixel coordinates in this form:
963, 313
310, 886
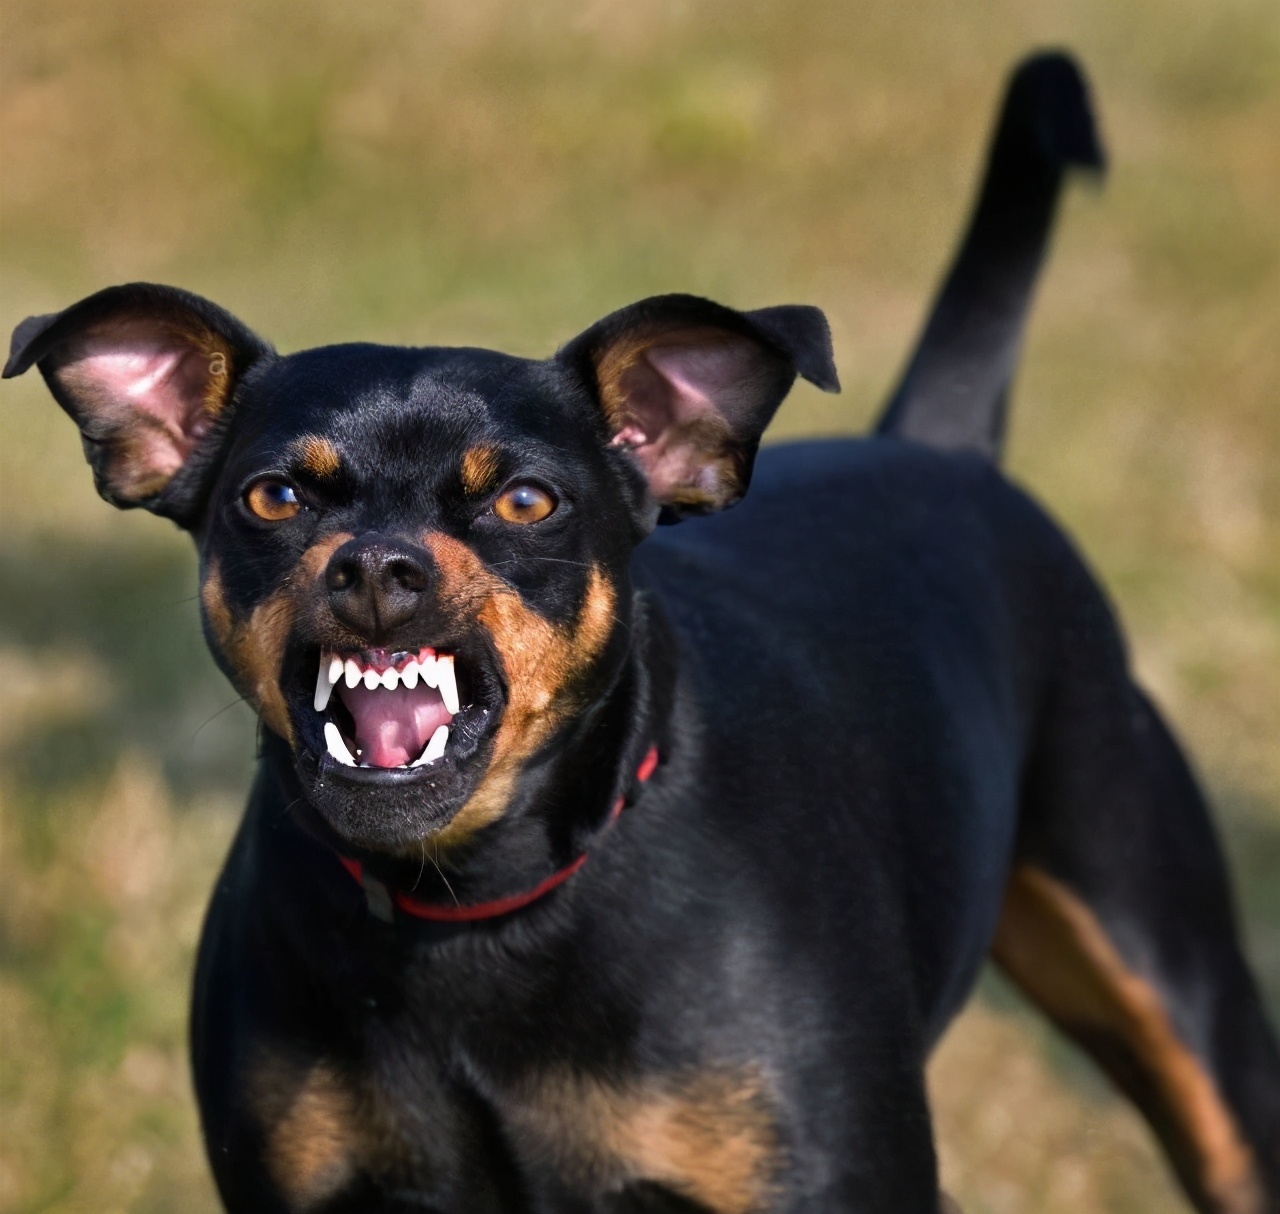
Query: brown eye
272, 500
524, 504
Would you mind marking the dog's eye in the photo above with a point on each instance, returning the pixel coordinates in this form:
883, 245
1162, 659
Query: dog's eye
524, 504
272, 500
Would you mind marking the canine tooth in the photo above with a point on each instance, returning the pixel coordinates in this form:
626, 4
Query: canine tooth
353, 672
390, 678
335, 668
337, 747
372, 679
323, 687
439, 740
447, 683
410, 674
435, 748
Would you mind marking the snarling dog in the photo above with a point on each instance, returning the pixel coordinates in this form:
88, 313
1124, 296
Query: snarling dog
594, 866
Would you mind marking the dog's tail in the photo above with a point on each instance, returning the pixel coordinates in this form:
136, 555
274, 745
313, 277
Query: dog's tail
953, 392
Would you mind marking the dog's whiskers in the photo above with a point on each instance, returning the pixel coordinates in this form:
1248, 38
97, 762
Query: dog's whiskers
435, 863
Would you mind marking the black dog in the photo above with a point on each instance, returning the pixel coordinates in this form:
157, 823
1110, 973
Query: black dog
586, 874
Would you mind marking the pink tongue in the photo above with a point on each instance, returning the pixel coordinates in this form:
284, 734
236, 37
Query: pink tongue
393, 726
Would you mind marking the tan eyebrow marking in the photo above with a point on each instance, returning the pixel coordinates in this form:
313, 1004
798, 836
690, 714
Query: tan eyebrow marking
317, 455
479, 468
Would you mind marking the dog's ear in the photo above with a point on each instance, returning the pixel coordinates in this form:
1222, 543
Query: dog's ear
688, 387
147, 373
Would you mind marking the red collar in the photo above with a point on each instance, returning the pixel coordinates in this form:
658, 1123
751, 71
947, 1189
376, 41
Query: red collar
383, 902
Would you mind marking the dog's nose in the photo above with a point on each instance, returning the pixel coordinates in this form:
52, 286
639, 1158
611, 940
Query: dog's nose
376, 584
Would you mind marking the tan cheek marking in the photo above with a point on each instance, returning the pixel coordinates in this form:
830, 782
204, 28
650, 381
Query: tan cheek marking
710, 1138
214, 601
256, 650
540, 659
479, 469
310, 1124
1053, 946
317, 455
254, 645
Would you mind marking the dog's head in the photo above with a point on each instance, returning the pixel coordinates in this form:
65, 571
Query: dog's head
414, 561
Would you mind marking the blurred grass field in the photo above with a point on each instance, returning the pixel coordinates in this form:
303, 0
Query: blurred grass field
490, 172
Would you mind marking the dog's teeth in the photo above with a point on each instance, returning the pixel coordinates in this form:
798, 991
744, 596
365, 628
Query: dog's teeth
410, 674
447, 683
427, 666
435, 748
323, 687
390, 678
337, 747
372, 679
353, 673
335, 668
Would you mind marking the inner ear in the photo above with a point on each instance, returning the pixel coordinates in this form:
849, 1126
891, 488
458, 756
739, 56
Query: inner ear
688, 387
146, 372
146, 394
691, 405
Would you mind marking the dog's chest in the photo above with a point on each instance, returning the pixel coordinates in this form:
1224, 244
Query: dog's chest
710, 1136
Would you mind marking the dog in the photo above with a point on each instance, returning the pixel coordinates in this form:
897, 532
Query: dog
596, 866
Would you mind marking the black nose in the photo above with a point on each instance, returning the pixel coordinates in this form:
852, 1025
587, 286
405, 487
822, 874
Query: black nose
376, 584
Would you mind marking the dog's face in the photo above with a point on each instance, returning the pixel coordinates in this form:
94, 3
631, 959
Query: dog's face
414, 561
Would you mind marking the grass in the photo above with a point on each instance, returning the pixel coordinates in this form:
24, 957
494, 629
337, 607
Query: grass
499, 173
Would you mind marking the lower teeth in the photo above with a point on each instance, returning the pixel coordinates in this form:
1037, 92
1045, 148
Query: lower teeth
435, 747
337, 747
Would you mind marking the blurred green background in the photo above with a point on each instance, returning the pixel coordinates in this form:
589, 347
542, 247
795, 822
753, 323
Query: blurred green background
494, 172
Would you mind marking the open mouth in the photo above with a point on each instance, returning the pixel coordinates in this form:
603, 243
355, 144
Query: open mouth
391, 710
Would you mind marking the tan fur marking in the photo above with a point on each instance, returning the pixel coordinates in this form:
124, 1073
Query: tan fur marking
613, 364
257, 650
214, 601
1053, 946
317, 456
217, 355
254, 646
541, 661
625, 353
311, 1126
709, 1137
479, 469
